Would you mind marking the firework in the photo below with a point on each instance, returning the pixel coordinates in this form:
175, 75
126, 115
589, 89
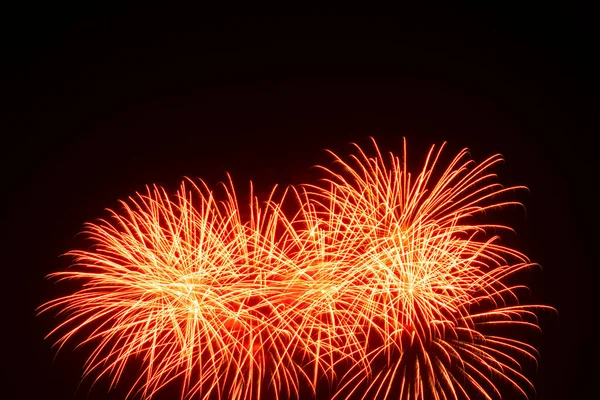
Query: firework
420, 285
185, 286
379, 283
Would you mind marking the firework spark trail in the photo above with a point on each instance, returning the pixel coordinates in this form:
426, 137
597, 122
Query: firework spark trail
380, 283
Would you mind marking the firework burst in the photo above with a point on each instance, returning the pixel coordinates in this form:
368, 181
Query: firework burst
187, 287
378, 283
419, 285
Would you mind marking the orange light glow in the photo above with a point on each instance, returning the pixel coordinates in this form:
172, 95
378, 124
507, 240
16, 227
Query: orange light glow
382, 284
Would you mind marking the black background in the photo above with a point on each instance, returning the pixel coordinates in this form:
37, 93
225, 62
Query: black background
101, 101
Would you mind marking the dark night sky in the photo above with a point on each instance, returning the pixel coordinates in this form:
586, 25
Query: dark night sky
102, 101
